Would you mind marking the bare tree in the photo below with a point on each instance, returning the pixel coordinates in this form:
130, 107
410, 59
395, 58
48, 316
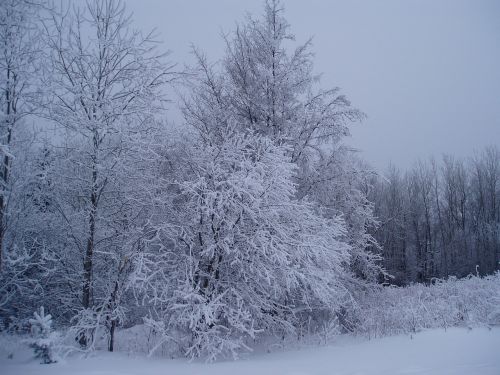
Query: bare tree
449, 217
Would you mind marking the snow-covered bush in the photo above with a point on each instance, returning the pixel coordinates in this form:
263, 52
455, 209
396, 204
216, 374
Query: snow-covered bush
469, 302
43, 337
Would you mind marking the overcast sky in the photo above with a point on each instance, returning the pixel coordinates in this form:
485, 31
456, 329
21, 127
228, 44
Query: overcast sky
427, 72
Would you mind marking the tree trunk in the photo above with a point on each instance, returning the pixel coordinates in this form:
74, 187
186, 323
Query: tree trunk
10, 110
112, 335
1, 230
87, 263
89, 254
111, 306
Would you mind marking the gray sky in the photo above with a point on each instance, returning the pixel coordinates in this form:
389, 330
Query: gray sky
427, 72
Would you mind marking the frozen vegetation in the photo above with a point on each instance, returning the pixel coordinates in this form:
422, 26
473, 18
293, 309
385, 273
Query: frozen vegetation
246, 230
450, 327
469, 302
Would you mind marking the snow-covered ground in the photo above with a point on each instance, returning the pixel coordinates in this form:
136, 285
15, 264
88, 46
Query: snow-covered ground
454, 352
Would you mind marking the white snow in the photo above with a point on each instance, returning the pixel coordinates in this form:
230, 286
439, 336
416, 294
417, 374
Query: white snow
457, 351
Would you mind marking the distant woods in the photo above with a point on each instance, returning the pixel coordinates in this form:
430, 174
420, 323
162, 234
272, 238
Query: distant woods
440, 218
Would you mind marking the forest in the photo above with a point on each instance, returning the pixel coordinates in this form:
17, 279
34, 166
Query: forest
250, 219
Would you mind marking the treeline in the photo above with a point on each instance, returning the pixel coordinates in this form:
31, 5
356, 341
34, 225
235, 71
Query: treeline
440, 218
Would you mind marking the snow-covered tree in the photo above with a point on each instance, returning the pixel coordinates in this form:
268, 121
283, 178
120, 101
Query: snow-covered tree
243, 255
43, 337
341, 188
19, 56
21, 255
105, 80
270, 88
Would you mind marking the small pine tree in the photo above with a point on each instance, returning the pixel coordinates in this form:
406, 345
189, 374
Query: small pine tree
43, 337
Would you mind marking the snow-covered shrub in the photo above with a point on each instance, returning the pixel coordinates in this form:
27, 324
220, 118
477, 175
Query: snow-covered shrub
87, 327
44, 338
328, 330
470, 302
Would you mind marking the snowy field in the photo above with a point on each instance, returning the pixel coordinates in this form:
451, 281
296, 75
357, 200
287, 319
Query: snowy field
456, 351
